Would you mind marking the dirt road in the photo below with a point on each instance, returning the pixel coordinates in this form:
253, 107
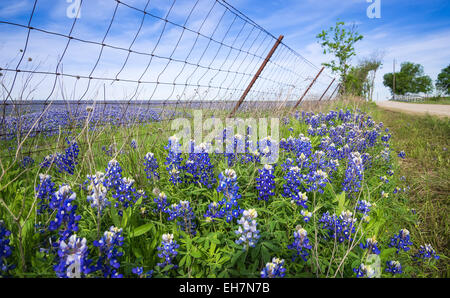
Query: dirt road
416, 108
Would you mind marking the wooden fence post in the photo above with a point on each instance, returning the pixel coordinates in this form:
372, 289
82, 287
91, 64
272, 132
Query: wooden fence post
309, 87
327, 89
257, 74
335, 89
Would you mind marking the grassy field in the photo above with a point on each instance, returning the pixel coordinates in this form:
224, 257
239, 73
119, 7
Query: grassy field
426, 141
208, 248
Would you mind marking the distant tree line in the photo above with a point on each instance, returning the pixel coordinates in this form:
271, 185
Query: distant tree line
339, 41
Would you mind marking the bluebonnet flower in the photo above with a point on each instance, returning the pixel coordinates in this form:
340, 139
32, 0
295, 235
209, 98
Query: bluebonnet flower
316, 178
401, 241
384, 179
151, 166
65, 220
73, 258
139, 271
44, 191
113, 175
293, 186
265, 183
340, 227
363, 206
126, 193
97, 191
214, 211
109, 151
5, 249
26, 162
108, 245
426, 252
364, 271
353, 173
228, 187
393, 267
306, 215
64, 162
167, 251
274, 269
372, 245
247, 231
402, 154
123, 189
185, 215
288, 163
133, 144
173, 160
300, 244
161, 203
199, 166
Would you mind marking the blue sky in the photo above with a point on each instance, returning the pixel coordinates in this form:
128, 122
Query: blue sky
416, 31
408, 30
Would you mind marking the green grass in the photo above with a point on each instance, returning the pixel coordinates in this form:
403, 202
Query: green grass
212, 252
426, 141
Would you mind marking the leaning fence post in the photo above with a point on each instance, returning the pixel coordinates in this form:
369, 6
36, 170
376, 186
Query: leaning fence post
327, 89
255, 77
335, 89
309, 87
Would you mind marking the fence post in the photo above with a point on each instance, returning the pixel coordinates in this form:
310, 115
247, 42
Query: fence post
309, 87
335, 89
327, 89
255, 77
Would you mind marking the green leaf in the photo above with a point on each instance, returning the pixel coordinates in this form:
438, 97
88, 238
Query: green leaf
196, 254
341, 202
141, 230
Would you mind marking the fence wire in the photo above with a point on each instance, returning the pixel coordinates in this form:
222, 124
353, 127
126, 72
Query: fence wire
124, 62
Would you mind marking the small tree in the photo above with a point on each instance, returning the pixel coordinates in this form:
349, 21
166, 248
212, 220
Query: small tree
339, 41
360, 79
410, 79
443, 81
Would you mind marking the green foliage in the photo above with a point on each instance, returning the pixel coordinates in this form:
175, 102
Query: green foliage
443, 81
410, 79
339, 41
212, 252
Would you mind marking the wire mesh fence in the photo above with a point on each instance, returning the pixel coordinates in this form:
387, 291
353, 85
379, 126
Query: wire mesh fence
122, 63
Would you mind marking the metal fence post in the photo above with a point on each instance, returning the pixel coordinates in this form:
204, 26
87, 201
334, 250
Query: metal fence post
327, 89
309, 87
335, 89
255, 77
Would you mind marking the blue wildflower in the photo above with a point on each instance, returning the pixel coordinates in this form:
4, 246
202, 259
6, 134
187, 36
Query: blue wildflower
151, 166
274, 269
300, 244
393, 267
5, 249
108, 245
73, 258
265, 183
247, 231
167, 251
401, 241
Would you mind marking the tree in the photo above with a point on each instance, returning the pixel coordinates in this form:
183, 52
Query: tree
339, 41
443, 81
410, 79
360, 79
